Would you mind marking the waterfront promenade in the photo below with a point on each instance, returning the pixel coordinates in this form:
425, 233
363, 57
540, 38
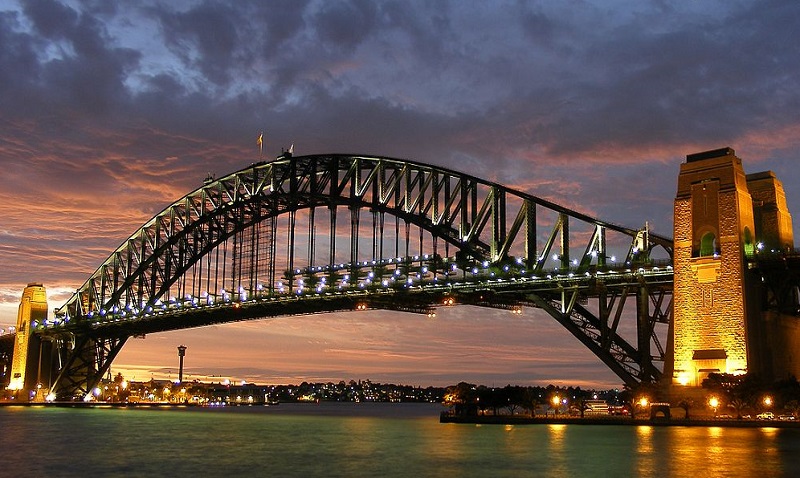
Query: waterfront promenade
503, 419
448, 417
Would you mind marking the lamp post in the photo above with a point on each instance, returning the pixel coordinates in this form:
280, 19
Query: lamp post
714, 403
181, 354
643, 403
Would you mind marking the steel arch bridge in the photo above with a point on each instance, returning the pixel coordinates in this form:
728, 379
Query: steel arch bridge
325, 233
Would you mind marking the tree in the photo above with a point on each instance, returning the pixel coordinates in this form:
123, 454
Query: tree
491, 398
632, 395
738, 405
120, 390
516, 397
530, 400
464, 397
793, 406
582, 405
786, 390
686, 403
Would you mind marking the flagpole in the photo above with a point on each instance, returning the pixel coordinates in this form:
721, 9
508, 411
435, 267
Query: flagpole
260, 143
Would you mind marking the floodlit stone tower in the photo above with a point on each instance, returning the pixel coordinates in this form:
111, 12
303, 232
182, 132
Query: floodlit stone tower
713, 229
25, 364
771, 214
722, 218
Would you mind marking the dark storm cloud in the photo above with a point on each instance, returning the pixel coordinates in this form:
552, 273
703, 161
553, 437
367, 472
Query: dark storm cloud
342, 26
206, 38
538, 78
707, 78
51, 19
77, 71
18, 64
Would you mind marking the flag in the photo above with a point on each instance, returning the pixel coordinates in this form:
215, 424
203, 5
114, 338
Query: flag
260, 143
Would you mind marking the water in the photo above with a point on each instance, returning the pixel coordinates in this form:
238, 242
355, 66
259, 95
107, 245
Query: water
387, 440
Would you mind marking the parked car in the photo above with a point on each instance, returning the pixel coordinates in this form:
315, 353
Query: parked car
785, 417
765, 416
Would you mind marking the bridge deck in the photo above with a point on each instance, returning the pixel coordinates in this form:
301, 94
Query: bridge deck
419, 297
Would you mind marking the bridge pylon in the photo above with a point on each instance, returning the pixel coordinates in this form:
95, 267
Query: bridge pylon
26, 367
723, 220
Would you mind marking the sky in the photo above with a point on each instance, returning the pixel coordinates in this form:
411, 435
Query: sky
112, 110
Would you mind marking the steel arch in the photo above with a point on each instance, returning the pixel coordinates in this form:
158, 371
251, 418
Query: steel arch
483, 221
143, 267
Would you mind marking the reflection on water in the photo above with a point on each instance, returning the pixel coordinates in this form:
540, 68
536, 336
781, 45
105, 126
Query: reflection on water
732, 451
646, 463
715, 450
556, 452
373, 440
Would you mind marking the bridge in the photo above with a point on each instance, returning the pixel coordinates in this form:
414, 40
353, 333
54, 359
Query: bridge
327, 233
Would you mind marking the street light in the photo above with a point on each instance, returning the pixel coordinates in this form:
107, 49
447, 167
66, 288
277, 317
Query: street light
556, 404
713, 402
643, 402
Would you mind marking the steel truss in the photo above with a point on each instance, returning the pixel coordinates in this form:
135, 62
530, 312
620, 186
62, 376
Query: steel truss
261, 233
87, 358
779, 279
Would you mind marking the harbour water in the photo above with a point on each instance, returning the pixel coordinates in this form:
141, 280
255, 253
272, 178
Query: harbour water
352, 440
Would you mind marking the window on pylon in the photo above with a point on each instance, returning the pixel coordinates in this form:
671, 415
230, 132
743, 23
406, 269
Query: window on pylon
708, 244
749, 247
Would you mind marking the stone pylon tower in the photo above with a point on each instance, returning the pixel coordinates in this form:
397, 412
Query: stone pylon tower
722, 218
25, 365
770, 212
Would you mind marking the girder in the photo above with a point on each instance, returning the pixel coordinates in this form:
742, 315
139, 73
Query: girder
85, 363
240, 237
779, 277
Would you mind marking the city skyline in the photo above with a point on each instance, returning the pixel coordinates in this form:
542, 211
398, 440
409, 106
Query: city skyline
112, 112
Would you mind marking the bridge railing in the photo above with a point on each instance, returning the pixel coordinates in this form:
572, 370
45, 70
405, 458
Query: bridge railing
762, 254
379, 276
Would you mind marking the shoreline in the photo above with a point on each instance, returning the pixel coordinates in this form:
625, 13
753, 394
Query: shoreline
104, 405
620, 421
445, 417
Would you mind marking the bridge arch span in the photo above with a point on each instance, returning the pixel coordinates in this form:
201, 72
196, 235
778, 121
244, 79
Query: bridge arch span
458, 208
388, 228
